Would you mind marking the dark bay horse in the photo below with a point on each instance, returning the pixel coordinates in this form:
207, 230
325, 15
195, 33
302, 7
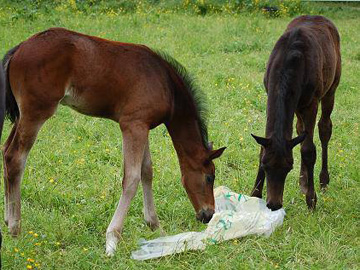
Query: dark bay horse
303, 70
127, 83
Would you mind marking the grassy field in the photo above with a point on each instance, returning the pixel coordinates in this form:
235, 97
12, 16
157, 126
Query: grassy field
72, 181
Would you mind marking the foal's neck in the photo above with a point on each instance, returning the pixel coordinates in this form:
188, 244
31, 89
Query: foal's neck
281, 108
188, 142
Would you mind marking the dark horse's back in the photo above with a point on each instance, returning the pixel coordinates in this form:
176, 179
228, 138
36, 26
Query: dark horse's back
314, 42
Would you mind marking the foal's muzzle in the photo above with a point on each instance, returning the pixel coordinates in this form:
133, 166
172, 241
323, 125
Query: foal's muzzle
205, 215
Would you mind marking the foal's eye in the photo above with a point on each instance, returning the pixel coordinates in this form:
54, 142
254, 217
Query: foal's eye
210, 178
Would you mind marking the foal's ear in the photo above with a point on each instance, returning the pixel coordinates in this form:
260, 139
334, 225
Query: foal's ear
299, 139
260, 140
216, 153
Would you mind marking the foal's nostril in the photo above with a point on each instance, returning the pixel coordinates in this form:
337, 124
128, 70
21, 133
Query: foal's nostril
205, 215
274, 206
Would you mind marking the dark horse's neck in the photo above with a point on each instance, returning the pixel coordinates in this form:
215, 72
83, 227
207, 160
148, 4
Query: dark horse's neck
284, 91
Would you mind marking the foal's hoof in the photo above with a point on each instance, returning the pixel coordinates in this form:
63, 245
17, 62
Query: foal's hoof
311, 201
324, 180
111, 242
152, 223
14, 228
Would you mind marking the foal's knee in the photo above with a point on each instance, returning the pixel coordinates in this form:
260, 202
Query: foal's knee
308, 154
130, 185
325, 129
13, 165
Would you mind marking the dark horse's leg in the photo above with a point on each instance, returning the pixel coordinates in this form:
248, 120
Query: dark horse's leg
325, 130
259, 182
303, 173
308, 152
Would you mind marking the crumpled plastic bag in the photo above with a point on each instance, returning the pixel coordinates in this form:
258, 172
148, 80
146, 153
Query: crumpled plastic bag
236, 215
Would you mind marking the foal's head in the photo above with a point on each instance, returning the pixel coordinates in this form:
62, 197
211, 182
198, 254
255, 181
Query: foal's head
199, 184
276, 161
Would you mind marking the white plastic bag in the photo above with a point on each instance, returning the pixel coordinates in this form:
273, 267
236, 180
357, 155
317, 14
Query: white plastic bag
235, 216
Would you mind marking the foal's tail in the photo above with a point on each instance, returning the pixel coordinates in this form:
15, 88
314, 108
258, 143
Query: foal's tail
11, 107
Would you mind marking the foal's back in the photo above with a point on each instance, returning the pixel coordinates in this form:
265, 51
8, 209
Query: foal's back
317, 39
94, 76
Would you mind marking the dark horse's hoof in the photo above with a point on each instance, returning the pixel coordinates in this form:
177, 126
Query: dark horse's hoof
311, 201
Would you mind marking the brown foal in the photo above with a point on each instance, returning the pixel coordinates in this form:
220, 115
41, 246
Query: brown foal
304, 69
128, 83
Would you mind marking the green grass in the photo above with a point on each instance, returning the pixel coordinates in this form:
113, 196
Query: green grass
72, 181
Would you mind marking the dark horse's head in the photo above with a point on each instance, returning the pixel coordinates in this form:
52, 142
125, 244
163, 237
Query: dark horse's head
276, 161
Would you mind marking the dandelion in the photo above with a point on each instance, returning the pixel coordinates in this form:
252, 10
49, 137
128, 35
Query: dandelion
30, 260
31, 232
29, 267
51, 180
36, 235
16, 250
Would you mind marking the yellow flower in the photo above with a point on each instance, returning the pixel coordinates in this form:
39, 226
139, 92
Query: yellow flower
37, 244
51, 180
16, 250
29, 267
30, 260
107, 150
36, 235
85, 249
31, 232
37, 264
57, 243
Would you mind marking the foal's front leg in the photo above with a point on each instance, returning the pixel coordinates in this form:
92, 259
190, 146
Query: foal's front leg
150, 216
308, 152
134, 141
259, 182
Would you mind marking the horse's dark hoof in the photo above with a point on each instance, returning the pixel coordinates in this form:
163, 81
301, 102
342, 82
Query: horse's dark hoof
311, 201
324, 180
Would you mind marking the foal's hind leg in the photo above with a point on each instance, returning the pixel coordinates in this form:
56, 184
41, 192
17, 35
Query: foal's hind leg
15, 156
6, 146
135, 136
325, 130
303, 172
308, 152
146, 179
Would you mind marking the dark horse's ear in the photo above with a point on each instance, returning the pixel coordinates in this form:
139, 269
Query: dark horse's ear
216, 153
260, 140
294, 142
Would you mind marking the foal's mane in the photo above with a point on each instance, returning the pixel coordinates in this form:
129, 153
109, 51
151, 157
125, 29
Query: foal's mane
196, 94
291, 46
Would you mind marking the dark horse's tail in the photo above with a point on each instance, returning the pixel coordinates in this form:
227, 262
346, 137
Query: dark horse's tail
11, 107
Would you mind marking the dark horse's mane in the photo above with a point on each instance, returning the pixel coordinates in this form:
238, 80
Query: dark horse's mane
196, 94
292, 46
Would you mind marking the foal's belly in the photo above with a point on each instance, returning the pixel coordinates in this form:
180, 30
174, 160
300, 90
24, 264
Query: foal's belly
92, 104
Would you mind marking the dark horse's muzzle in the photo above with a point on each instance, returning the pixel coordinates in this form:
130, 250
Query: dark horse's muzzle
205, 215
